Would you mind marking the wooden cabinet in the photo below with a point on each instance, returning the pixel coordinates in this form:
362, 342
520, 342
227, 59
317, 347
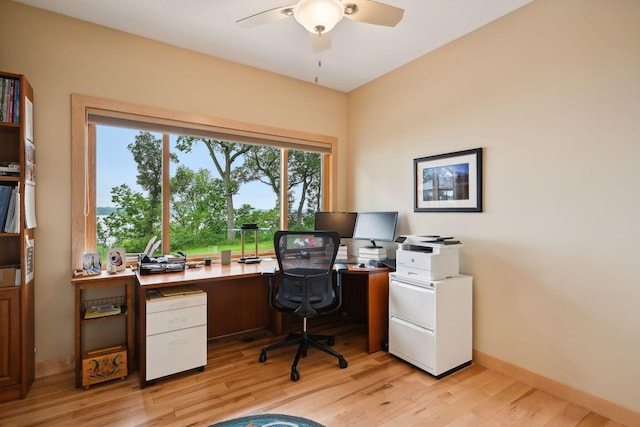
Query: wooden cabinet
123, 301
10, 321
17, 184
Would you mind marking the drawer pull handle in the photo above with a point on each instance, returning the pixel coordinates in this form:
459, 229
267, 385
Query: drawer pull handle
180, 341
179, 319
413, 287
178, 304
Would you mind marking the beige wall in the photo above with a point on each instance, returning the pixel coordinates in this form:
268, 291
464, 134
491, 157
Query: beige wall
61, 56
552, 93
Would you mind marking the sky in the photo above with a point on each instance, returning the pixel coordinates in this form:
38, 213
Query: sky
116, 166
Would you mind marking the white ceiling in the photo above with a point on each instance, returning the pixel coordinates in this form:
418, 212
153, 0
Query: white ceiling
359, 53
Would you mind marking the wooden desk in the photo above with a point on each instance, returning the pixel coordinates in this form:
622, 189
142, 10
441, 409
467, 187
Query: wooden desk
237, 300
374, 307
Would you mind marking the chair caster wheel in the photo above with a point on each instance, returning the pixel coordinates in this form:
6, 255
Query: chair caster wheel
342, 362
331, 341
295, 375
263, 356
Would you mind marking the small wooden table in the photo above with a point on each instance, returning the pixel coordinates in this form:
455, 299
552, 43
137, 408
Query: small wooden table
81, 283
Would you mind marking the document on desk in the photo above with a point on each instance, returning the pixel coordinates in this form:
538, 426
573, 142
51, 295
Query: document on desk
179, 290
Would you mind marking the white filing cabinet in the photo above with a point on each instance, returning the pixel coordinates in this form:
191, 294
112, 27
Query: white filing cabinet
430, 322
176, 334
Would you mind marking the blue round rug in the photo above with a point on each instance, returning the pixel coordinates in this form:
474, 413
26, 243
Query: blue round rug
268, 420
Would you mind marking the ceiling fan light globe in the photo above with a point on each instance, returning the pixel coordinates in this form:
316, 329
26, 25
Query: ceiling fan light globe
318, 16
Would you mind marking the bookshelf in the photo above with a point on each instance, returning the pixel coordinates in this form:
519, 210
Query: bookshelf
17, 178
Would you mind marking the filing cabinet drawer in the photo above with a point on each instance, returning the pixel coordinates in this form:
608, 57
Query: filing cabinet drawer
176, 351
175, 302
412, 343
166, 321
412, 301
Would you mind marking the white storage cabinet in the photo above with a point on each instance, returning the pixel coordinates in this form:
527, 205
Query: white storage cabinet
430, 322
176, 334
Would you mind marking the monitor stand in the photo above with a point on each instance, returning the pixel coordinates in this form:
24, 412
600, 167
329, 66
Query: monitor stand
373, 245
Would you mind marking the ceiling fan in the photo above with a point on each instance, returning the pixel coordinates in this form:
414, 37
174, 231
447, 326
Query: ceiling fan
320, 16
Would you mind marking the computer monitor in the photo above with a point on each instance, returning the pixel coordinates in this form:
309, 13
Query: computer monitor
374, 226
342, 222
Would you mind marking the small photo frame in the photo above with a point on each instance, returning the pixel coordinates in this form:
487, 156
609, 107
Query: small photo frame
449, 182
91, 264
116, 260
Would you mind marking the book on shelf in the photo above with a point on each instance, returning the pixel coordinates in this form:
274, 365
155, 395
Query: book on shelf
9, 100
12, 222
5, 199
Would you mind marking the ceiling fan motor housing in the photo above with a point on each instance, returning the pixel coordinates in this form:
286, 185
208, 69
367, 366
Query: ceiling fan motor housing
318, 16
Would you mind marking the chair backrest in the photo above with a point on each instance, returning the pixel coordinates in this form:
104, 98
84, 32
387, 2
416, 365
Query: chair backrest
305, 275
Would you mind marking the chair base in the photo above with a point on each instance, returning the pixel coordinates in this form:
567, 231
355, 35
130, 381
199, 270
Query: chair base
303, 341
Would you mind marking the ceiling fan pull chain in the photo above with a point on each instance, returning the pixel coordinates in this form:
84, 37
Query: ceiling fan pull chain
319, 67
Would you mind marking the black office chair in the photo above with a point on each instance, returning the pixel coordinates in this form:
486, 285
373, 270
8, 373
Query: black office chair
303, 286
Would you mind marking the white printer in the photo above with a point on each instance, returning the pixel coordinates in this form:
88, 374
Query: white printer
427, 257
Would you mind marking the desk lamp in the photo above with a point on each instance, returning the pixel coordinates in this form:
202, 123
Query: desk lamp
246, 228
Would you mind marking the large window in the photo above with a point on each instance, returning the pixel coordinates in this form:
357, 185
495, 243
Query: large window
190, 183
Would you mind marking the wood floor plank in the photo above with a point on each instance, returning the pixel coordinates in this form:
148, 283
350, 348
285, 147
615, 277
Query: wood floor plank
374, 390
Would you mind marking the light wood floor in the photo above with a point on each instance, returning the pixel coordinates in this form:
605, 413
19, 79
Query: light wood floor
374, 390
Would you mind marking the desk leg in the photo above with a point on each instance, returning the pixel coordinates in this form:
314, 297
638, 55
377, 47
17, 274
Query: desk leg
378, 310
141, 333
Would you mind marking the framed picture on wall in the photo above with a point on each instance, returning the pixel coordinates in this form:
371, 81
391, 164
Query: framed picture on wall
449, 182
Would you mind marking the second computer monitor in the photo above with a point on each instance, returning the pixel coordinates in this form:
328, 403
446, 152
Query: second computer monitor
342, 222
374, 226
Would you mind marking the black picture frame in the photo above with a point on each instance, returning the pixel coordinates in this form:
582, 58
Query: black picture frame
449, 182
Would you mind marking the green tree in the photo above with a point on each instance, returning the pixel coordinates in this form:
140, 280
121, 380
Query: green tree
197, 208
304, 170
223, 154
126, 223
147, 153
263, 164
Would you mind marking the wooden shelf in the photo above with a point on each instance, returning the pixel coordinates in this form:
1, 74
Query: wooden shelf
83, 283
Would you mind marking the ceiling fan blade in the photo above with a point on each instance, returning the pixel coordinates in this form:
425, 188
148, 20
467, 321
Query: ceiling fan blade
266, 16
320, 42
372, 12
